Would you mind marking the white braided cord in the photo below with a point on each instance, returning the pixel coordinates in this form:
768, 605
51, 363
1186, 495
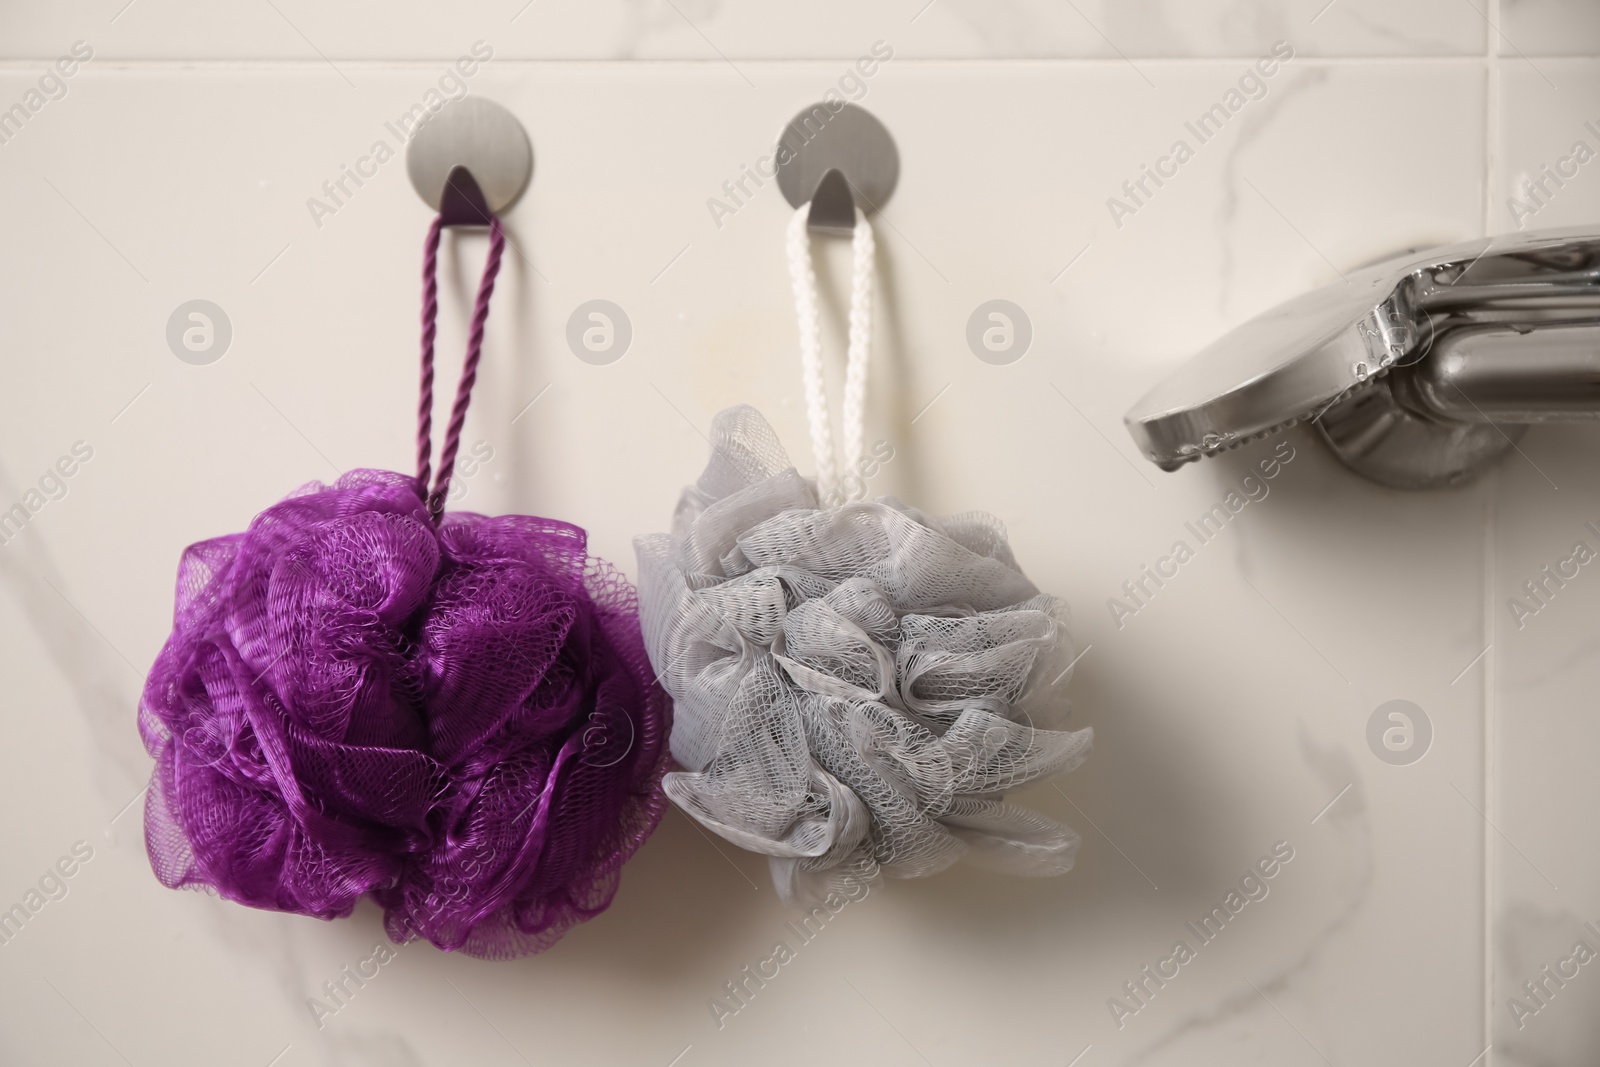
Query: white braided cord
807, 306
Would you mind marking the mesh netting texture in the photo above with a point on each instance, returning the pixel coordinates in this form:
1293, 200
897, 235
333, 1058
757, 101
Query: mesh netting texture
855, 687
456, 718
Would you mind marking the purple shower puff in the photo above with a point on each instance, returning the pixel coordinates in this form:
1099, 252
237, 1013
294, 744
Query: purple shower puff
457, 719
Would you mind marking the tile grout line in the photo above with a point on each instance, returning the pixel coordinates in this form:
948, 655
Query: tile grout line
17, 63
1490, 793
1491, 159
1491, 113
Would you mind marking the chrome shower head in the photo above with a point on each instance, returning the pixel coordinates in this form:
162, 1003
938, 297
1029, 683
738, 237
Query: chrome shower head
1408, 367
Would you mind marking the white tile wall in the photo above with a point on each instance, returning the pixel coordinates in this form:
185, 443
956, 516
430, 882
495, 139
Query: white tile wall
1548, 28
713, 30
1546, 882
1229, 712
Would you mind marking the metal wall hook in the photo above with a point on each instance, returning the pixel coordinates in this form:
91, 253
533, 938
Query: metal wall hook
1418, 372
462, 203
833, 205
470, 160
836, 158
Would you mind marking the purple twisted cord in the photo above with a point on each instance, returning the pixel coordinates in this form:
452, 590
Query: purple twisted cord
430, 329
469, 368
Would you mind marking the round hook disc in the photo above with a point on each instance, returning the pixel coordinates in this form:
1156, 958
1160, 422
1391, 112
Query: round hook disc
849, 140
477, 134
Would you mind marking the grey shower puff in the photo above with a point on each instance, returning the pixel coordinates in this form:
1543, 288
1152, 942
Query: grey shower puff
856, 687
